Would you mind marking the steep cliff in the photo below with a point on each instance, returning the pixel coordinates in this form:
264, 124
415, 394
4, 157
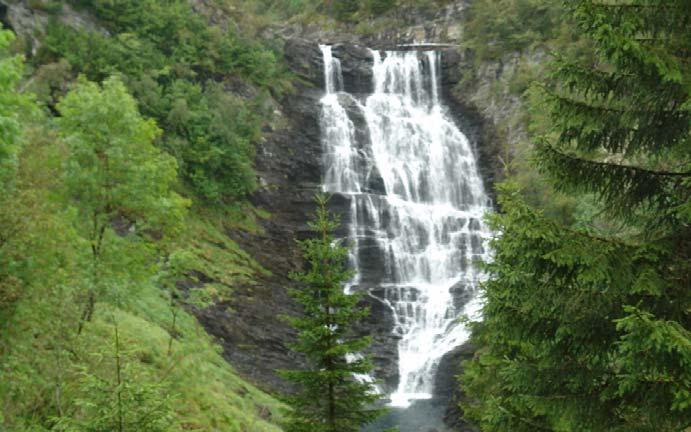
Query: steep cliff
289, 166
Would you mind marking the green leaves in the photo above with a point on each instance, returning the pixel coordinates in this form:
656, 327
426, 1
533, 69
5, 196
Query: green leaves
549, 326
499, 27
621, 119
113, 169
11, 104
213, 138
176, 64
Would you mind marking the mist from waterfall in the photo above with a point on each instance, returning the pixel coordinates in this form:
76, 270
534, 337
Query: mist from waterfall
416, 199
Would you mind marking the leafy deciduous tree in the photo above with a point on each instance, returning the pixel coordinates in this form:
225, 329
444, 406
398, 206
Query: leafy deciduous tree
114, 173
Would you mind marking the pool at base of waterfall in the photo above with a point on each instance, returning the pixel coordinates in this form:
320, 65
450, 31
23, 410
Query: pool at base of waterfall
422, 415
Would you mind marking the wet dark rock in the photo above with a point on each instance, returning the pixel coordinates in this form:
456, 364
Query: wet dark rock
250, 327
448, 390
371, 259
379, 325
3, 17
450, 67
462, 294
356, 65
288, 165
304, 58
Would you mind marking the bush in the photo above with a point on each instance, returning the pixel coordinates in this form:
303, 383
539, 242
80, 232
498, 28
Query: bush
497, 27
344, 10
172, 59
376, 7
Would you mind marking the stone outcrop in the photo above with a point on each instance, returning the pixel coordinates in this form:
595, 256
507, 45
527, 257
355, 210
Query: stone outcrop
289, 168
254, 334
447, 389
29, 22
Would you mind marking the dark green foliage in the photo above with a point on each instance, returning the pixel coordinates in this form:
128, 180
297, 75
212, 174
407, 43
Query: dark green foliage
98, 56
587, 328
212, 135
330, 398
343, 10
563, 351
174, 62
497, 27
50, 6
623, 124
377, 7
347, 11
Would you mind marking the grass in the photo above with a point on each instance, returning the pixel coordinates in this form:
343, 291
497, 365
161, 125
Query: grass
208, 394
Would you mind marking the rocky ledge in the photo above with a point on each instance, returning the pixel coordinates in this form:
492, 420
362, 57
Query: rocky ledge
288, 164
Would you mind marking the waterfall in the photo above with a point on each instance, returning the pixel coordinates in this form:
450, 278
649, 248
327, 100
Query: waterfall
416, 206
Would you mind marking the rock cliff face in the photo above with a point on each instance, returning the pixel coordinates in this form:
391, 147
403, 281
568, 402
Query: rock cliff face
29, 22
289, 169
254, 335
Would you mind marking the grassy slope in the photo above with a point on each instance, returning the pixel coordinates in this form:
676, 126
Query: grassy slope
207, 393
212, 395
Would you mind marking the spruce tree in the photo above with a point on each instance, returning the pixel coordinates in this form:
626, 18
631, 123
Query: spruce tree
588, 329
330, 398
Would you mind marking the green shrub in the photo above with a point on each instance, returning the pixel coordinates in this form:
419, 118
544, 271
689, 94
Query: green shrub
172, 59
50, 6
343, 10
212, 133
497, 27
376, 7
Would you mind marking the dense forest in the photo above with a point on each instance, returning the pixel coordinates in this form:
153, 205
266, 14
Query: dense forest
586, 321
128, 137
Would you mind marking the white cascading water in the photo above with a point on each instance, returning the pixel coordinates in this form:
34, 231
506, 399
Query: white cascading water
416, 197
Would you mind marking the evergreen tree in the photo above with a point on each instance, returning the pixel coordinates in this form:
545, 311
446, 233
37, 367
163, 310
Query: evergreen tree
330, 398
126, 399
587, 329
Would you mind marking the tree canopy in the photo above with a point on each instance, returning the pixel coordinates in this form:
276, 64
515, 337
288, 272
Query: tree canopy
587, 327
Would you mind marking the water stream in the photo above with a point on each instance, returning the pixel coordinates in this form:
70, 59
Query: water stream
416, 206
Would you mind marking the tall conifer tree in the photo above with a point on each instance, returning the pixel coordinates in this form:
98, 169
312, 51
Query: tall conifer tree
330, 398
584, 329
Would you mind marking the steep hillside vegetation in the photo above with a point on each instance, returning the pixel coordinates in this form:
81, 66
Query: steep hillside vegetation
112, 232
